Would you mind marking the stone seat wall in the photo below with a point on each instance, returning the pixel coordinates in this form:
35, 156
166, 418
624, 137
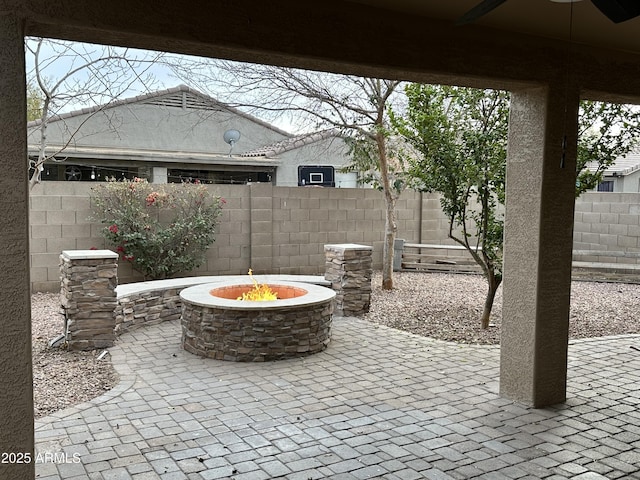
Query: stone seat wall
148, 303
97, 309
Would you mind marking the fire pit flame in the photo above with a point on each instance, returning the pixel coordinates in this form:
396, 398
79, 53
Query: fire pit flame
259, 293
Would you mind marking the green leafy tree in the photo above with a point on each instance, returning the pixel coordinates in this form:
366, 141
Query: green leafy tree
606, 131
162, 230
460, 135
35, 102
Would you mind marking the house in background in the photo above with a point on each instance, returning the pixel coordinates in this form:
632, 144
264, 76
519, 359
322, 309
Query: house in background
623, 176
180, 134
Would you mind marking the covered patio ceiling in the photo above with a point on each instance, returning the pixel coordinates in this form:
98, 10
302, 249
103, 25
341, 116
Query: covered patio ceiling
520, 42
579, 21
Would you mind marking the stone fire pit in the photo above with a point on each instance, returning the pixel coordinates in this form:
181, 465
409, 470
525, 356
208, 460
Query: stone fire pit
217, 325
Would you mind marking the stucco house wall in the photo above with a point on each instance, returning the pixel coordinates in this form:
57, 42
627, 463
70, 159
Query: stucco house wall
177, 133
331, 151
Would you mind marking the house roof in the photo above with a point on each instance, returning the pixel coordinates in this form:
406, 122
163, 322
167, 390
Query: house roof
175, 96
624, 165
292, 143
168, 157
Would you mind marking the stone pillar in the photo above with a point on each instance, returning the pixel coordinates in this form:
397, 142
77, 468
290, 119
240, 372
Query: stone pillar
88, 279
16, 375
348, 268
540, 198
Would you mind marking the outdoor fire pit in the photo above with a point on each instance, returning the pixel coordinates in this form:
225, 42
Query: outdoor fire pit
216, 324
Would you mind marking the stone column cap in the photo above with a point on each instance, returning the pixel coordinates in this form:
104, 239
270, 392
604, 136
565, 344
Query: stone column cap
88, 254
347, 246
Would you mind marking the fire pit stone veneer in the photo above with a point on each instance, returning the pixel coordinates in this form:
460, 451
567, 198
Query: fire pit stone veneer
217, 325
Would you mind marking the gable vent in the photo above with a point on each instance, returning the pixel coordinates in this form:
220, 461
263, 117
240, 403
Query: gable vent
185, 100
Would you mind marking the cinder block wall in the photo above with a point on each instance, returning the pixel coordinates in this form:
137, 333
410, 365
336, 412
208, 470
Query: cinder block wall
270, 229
284, 229
607, 222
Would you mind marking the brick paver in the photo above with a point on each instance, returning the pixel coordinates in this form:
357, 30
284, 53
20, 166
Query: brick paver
378, 403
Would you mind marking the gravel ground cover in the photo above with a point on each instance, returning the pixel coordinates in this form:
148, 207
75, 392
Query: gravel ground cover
62, 378
448, 307
438, 305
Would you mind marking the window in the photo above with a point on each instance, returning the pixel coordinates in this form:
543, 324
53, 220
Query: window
606, 186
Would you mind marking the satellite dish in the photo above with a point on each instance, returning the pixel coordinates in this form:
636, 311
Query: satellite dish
231, 137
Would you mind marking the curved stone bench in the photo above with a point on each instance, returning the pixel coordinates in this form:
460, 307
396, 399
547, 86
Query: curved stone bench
148, 303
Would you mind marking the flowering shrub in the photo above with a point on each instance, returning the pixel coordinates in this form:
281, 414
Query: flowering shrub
161, 229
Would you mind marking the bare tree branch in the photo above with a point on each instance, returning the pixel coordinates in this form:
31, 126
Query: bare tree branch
72, 75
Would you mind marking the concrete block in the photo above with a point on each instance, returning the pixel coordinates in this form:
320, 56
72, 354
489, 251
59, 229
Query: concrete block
46, 203
261, 227
617, 229
609, 240
606, 218
76, 231
318, 214
289, 250
46, 231
584, 206
53, 274
44, 259
75, 203
301, 238
38, 274
629, 219
328, 226
262, 215
599, 227
602, 207
619, 208
299, 215
627, 242
84, 216
591, 217
90, 243
290, 227
353, 215
61, 217
337, 237
229, 252
380, 214
38, 245
347, 204
37, 217
57, 245
311, 204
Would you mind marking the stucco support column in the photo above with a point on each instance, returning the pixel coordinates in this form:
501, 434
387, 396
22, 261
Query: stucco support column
16, 383
540, 198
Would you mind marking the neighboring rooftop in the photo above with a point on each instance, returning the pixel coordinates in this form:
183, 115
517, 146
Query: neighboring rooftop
624, 165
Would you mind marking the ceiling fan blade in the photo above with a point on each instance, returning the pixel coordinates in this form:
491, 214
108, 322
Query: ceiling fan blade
479, 10
618, 10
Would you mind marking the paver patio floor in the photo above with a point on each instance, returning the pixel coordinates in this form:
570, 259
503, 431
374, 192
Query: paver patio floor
378, 403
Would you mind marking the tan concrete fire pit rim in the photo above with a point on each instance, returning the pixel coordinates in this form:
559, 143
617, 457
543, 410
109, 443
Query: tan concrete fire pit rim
200, 295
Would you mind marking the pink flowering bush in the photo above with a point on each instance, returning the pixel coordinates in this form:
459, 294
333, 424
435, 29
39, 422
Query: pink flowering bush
163, 230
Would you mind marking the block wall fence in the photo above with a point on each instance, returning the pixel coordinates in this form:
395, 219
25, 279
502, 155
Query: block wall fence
283, 230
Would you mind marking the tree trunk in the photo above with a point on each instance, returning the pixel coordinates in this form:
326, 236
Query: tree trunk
390, 229
493, 283
390, 226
